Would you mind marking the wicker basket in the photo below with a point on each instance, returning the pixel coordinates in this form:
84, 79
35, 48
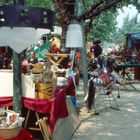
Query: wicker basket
9, 132
46, 90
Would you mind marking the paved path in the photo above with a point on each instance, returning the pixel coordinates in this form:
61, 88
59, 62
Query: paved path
111, 124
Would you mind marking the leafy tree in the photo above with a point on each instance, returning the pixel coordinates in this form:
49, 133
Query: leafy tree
103, 27
90, 8
101, 23
129, 26
40, 3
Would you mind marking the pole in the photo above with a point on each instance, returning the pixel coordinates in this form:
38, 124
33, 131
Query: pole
17, 88
19, 2
17, 85
83, 51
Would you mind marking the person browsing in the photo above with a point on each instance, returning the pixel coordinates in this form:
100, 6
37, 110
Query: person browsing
33, 60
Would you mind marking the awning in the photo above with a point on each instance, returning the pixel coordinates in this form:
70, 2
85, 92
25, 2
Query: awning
20, 38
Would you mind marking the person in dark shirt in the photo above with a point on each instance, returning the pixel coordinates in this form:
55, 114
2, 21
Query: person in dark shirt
97, 51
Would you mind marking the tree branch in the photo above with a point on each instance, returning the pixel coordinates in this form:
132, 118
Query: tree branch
97, 9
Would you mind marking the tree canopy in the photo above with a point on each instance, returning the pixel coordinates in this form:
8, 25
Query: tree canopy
90, 8
129, 26
98, 16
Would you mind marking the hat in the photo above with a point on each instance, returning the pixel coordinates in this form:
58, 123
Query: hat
37, 68
97, 42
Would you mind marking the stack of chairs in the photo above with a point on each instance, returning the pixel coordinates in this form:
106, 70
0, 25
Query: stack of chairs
101, 82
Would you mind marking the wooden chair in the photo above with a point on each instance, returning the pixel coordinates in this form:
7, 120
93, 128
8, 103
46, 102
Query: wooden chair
40, 125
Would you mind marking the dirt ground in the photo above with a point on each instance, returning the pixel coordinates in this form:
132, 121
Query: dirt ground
110, 124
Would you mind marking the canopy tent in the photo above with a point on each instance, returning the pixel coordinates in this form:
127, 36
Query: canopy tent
133, 40
20, 38
20, 26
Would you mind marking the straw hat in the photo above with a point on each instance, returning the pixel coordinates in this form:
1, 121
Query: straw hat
37, 68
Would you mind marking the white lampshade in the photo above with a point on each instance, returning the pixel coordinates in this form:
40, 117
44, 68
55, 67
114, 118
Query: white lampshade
20, 38
74, 36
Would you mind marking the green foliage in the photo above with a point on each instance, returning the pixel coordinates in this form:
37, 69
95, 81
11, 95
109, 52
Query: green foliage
40, 3
104, 27
5, 2
37, 3
129, 26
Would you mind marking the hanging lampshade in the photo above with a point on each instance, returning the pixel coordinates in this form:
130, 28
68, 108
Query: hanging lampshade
74, 36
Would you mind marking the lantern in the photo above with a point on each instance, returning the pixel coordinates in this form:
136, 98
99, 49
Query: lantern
74, 36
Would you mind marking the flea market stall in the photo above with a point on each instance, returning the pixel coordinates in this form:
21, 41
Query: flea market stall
21, 91
47, 94
56, 106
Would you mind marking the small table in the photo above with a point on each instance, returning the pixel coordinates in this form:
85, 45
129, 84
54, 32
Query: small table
129, 65
51, 58
126, 65
56, 106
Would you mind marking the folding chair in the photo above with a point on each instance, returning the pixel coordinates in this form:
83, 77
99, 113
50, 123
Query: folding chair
106, 85
122, 81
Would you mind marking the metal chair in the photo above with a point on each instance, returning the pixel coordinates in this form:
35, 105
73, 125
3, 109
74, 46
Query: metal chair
106, 83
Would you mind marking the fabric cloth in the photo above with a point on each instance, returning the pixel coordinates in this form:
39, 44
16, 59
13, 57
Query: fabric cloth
70, 90
71, 74
23, 135
6, 101
56, 106
105, 78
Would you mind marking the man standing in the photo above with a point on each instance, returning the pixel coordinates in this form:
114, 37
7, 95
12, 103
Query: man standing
97, 51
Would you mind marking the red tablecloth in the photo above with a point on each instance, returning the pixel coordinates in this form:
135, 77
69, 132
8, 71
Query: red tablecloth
71, 88
23, 135
6, 101
56, 106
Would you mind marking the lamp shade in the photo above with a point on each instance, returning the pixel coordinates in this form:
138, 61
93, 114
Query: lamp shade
74, 36
19, 38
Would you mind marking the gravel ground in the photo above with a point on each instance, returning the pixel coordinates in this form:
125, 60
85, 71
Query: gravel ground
110, 124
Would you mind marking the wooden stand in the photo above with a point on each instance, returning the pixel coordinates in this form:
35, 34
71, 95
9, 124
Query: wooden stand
41, 125
44, 128
51, 57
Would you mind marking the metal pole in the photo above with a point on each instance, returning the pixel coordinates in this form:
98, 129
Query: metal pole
83, 51
15, 2
19, 2
17, 88
17, 85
